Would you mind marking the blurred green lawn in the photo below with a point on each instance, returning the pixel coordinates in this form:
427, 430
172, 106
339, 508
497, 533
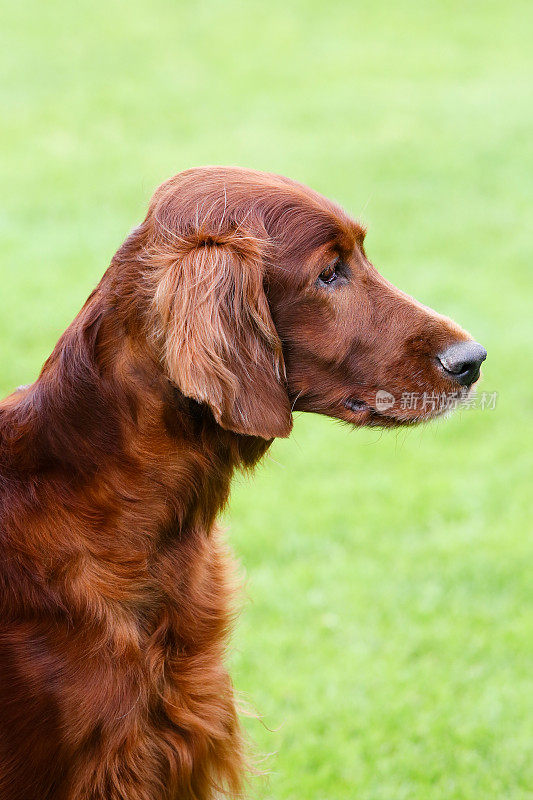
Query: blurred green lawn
387, 635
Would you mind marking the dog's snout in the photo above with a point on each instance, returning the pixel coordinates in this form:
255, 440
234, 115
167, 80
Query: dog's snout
462, 361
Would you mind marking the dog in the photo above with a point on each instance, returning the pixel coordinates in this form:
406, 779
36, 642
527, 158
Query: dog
242, 297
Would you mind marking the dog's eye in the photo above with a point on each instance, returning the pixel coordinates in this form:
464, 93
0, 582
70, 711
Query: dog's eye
329, 275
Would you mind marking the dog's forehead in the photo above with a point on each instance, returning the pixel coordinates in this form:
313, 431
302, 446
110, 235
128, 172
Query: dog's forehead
309, 225
294, 215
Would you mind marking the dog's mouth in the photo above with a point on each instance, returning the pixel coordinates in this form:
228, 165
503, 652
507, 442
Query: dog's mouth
365, 414
389, 411
356, 405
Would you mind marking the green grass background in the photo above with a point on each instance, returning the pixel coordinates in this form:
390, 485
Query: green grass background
386, 637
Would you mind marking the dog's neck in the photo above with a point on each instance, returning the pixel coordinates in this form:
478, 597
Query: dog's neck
125, 477
103, 413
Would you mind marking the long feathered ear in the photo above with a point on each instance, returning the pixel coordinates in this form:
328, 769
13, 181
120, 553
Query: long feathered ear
219, 342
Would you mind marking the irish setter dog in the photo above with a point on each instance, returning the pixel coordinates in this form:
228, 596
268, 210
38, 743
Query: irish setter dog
241, 297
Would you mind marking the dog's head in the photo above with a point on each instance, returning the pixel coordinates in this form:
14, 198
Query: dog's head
263, 301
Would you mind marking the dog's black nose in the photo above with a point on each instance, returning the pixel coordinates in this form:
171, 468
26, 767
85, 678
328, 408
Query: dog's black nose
462, 361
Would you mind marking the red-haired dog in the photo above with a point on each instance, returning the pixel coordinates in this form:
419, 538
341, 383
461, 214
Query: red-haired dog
241, 297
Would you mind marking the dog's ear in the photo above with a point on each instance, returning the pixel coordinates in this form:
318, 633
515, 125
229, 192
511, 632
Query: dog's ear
219, 342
